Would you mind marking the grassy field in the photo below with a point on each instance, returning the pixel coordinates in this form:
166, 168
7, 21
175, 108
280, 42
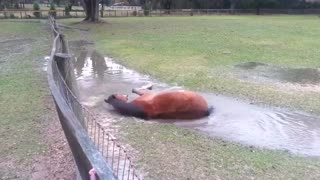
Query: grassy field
207, 48
168, 152
22, 97
198, 52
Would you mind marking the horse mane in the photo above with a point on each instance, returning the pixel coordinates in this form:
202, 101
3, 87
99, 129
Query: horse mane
127, 109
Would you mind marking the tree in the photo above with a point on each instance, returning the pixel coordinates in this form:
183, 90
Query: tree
234, 3
167, 4
91, 8
9, 4
53, 10
36, 8
258, 4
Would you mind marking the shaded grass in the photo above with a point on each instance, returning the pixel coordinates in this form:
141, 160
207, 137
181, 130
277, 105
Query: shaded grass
199, 52
168, 152
22, 91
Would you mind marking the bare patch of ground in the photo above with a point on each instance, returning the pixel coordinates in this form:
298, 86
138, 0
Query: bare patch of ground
10, 46
58, 163
284, 78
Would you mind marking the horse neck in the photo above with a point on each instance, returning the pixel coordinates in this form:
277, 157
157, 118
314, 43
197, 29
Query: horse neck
123, 105
130, 109
118, 102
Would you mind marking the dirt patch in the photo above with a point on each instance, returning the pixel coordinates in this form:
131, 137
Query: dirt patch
301, 79
250, 65
14, 45
55, 163
58, 163
301, 75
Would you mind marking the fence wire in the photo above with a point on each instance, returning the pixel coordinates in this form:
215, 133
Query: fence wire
115, 154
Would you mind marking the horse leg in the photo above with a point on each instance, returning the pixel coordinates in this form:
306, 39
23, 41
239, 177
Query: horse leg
143, 90
140, 92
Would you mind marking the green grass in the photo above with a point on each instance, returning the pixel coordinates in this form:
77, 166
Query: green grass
22, 92
199, 52
168, 152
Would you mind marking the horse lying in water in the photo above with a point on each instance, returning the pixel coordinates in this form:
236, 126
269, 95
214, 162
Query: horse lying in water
164, 105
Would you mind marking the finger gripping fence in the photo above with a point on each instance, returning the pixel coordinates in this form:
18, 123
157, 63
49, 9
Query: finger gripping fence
95, 150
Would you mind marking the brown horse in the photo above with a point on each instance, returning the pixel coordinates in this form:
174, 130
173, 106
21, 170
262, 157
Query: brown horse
164, 105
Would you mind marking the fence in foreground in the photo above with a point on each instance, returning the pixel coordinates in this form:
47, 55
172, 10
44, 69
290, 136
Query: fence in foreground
91, 145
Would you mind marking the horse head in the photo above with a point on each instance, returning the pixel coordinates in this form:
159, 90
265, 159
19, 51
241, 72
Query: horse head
113, 97
121, 104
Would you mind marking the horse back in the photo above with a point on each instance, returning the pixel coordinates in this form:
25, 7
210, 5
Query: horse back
180, 104
173, 104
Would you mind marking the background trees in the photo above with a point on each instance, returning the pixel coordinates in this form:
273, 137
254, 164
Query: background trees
233, 4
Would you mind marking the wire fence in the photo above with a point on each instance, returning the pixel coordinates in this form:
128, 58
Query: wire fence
104, 142
32, 14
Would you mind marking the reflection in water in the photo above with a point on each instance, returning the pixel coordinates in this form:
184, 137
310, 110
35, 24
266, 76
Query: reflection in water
92, 60
79, 62
232, 120
98, 64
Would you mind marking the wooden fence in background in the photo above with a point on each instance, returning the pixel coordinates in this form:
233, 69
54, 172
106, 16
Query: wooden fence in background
41, 14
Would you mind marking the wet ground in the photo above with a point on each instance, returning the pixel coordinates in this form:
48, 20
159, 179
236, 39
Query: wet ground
293, 78
13, 46
233, 120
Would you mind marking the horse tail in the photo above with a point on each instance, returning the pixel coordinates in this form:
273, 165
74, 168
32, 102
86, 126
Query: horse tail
209, 111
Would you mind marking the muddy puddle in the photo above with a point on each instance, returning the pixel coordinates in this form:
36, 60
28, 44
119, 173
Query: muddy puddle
264, 73
11, 47
233, 120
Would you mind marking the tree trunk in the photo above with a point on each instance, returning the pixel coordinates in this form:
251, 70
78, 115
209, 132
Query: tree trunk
102, 9
258, 10
232, 5
91, 8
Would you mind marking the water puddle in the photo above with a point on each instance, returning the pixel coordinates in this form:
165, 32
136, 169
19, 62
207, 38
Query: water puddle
233, 120
265, 73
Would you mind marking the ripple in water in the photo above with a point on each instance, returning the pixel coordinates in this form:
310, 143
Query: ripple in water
233, 120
